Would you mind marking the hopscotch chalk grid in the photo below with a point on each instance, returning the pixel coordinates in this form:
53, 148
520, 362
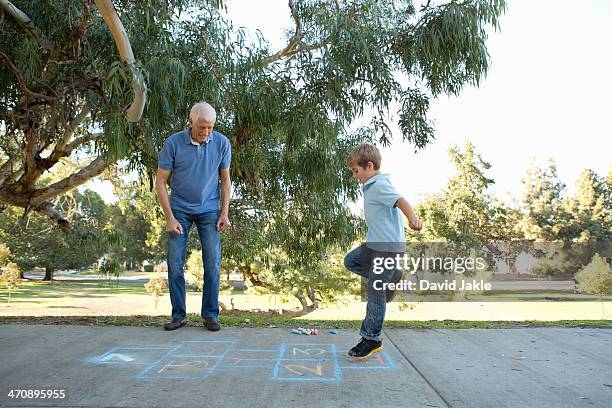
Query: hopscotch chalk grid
197, 360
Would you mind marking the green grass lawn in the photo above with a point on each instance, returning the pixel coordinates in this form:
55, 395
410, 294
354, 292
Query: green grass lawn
89, 272
39, 296
32, 290
234, 318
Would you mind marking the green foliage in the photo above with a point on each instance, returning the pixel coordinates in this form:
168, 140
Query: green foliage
34, 243
157, 286
130, 218
595, 278
64, 92
288, 114
5, 253
464, 212
590, 209
563, 223
321, 283
544, 218
195, 267
110, 268
11, 277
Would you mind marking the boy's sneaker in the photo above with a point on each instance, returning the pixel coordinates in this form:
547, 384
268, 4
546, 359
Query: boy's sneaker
365, 348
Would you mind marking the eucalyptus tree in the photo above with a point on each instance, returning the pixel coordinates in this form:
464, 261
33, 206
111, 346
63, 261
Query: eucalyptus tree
72, 90
290, 113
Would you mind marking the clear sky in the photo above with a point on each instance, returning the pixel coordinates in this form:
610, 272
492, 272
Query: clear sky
547, 94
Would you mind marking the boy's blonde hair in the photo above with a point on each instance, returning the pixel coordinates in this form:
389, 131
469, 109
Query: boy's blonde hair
363, 154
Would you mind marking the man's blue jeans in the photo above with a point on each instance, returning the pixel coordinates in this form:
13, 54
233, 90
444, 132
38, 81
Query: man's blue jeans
359, 261
211, 258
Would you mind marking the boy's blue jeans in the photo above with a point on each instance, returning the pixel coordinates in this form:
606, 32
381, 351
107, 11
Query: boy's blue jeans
211, 258
359, 261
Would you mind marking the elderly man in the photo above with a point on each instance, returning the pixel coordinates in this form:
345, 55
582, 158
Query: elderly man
198, 159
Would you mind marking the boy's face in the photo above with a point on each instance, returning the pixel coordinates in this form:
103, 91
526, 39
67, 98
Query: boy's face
363, 174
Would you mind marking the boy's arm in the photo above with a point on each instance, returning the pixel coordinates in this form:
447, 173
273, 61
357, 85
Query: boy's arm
406, 208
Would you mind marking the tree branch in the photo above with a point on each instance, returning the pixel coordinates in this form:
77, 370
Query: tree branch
92, 170
20, 79
49, 210
294, 41
5, 170
217, 74
23, 19
71, 128
31, 169
9, 173
112, 20
90, 137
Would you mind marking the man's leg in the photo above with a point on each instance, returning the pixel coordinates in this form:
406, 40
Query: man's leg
211, 259
177, 247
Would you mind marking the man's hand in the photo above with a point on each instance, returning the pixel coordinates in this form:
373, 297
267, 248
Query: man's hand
415, 224
223, 222
174, 227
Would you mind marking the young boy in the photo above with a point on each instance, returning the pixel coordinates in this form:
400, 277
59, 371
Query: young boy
385, 239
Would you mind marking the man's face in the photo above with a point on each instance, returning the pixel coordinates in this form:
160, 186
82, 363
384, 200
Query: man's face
201, 129
363, 173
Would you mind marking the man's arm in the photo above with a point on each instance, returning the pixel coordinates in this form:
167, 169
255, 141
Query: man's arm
161, 182
226, 189
406, 208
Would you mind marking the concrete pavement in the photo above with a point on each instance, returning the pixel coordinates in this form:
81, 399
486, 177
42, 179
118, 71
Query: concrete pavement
238, 367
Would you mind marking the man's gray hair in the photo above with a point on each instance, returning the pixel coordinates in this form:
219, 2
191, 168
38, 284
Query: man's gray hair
202, 110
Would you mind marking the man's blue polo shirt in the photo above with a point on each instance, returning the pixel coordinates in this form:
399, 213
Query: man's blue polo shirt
195, 170
384, 220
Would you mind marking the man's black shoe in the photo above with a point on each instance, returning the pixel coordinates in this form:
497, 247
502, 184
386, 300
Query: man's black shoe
365, 348
212, 323
175, 324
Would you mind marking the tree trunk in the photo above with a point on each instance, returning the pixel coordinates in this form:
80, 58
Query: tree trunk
49, 271
107, 10
512, 266
253, 278
313, 298
306, 308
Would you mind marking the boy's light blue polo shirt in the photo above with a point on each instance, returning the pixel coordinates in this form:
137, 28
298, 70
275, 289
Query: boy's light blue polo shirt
384, 220
195, 170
